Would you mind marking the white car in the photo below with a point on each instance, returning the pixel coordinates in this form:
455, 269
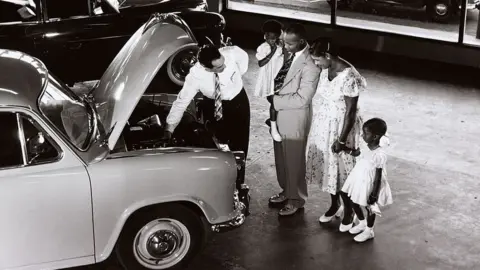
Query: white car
74, 191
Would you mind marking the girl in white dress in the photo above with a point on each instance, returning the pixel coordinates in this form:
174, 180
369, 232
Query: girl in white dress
336, 123
270, 59
367, 184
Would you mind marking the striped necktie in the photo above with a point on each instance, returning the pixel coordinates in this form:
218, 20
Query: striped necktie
282, 74
218, 113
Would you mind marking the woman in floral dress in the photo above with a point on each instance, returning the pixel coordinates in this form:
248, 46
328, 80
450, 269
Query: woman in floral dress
336, 123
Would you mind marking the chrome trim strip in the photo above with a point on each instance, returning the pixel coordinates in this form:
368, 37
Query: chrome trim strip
21, 137
94, 135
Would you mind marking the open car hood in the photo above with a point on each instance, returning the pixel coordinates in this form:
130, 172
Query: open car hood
130, 73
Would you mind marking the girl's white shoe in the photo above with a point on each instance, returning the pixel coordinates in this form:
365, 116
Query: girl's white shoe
274, 132
365, 235
360, 227
345, 228
325, 219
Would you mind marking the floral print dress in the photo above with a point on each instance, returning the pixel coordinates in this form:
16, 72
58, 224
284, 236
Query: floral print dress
324, 167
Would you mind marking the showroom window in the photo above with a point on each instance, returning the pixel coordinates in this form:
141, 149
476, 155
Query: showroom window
310, 10
472, 25
23, 142
429, 19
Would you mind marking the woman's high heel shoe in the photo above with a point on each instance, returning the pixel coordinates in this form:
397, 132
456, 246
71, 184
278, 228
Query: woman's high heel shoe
325, 219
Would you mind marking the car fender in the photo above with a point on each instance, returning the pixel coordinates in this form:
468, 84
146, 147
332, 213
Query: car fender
134, 208
124, 183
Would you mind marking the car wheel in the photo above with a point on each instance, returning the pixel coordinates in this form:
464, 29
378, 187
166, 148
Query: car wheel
166, 237
440, 11
179, 64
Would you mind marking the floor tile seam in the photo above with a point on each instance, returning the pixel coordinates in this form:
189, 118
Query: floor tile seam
252, 162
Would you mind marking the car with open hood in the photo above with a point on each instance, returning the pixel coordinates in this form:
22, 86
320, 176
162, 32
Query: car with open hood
79, 183
78, 39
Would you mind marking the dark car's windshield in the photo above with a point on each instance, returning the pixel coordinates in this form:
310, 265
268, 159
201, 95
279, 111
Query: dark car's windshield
67, 112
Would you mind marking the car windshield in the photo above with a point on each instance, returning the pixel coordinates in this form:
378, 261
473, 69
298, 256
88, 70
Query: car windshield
67, 112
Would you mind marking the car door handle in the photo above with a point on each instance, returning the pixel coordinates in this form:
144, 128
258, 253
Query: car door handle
74, 46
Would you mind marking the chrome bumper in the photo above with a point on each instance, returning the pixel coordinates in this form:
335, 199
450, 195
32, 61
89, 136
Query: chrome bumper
241, 201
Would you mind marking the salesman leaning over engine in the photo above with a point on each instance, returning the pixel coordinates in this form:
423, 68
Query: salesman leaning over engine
218, 76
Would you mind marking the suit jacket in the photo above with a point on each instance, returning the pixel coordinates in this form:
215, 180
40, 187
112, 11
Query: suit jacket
295, 97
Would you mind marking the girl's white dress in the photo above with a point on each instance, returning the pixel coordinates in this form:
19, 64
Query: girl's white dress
360, 181
267, 73
324, 167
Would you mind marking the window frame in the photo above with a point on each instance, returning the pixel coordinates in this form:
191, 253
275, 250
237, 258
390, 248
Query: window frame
19, 116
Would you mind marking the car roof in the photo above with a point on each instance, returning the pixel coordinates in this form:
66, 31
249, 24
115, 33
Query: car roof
22, 78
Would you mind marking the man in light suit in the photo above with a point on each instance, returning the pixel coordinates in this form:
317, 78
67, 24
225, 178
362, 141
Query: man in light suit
295, 86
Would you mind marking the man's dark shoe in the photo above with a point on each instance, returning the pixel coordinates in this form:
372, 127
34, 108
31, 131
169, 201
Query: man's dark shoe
277, 201
289, 210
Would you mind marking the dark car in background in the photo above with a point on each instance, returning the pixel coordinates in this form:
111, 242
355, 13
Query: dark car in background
78, 39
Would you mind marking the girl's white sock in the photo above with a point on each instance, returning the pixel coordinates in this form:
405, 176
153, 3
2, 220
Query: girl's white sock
274, 132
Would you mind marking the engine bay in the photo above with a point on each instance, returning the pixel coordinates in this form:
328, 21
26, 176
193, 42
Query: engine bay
146, 126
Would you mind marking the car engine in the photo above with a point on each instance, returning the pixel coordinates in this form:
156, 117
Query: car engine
147, 124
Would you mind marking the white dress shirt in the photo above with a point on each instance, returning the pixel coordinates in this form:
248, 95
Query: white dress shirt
199, 79
297, 54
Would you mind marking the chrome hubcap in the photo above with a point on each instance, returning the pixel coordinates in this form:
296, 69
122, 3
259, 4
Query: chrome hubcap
441, 9
161, 244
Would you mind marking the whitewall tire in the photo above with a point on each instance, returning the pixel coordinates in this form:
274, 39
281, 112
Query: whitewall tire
179, 63
165, 237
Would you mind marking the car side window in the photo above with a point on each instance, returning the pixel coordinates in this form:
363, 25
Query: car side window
11, 154
18, 11
40, 148
24, 143
64, 9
